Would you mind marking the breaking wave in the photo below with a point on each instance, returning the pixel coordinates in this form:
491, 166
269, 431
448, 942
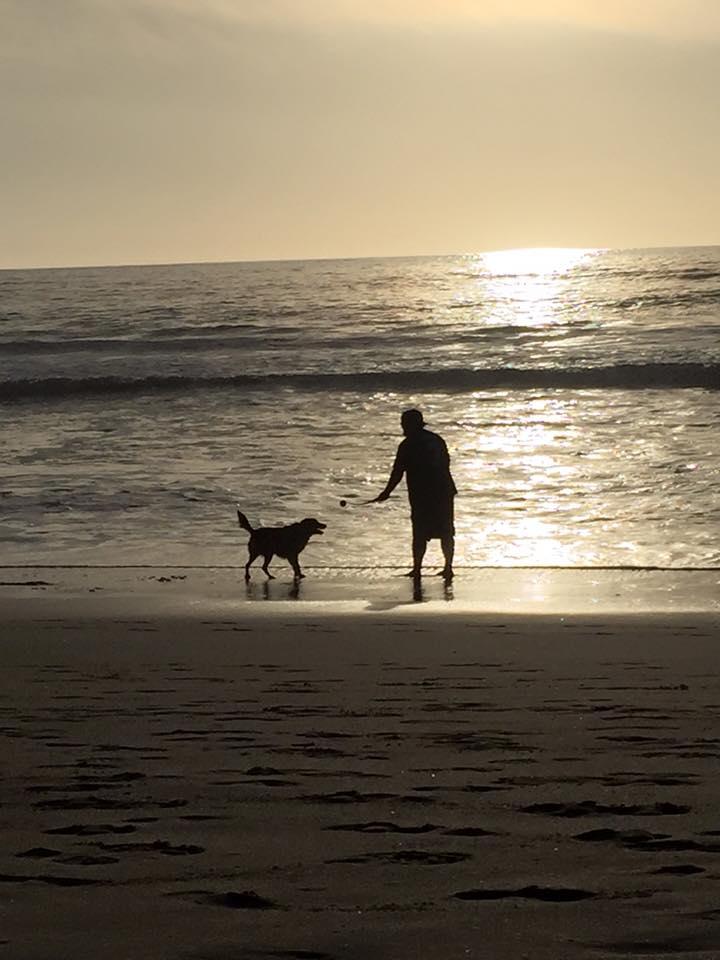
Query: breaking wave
459, 380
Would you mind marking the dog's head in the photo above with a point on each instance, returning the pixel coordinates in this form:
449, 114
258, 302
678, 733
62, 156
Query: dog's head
311, 526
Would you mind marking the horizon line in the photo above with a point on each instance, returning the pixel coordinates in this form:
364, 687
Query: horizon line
356, 257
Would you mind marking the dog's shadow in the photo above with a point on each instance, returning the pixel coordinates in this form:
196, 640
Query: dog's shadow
278, 591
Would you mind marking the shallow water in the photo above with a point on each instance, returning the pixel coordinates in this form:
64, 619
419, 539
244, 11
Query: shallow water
142, 403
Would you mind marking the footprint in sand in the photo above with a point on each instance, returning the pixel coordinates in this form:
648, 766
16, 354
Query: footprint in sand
297, 955
39, 853
420, 857
91, 829
154, 846
590, 808
383, 826
347, 796
232, 899
646, 842
49, 879
79, 860
469, 832
548, 894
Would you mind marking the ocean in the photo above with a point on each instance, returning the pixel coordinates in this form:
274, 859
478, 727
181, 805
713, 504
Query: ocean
577, 392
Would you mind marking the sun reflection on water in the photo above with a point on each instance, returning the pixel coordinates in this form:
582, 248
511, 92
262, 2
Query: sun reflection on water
521, 464
530, 449
534, 261
529, 281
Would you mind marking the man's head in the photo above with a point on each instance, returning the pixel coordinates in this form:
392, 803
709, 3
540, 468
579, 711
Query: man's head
411, 422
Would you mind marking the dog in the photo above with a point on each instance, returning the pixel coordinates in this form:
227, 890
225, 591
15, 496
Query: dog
287, 542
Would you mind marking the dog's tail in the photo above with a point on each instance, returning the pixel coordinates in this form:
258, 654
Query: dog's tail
244, 522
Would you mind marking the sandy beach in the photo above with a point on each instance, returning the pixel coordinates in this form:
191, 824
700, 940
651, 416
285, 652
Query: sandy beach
194, 775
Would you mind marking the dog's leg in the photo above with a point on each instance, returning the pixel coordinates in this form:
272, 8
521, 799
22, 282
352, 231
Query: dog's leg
299, 575
268, 558
252, 555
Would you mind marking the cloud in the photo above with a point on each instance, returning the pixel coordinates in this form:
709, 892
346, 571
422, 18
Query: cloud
34, 30
683, 18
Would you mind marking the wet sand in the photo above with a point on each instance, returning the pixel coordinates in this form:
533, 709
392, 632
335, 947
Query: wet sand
190, 778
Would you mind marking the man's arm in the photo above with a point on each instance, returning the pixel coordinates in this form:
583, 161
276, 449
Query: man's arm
446, 461
396, 475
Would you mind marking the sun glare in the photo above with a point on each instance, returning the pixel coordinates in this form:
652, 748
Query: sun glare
517, 457
528, 283
534, 260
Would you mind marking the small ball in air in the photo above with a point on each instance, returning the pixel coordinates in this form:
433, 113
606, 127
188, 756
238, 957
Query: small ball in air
343, 503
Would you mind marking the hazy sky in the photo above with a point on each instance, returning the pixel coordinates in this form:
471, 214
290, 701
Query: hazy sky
175, 130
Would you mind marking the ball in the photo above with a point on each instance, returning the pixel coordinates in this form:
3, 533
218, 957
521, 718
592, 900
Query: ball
343, 503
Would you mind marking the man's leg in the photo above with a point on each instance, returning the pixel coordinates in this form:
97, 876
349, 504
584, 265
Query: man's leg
419, 545
447, 543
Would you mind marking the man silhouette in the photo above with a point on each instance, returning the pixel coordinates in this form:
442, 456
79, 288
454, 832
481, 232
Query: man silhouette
424, 460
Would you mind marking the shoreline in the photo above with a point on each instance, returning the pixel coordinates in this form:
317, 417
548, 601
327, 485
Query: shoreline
210, 591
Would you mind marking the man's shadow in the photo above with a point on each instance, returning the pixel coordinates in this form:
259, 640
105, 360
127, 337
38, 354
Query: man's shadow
419, 595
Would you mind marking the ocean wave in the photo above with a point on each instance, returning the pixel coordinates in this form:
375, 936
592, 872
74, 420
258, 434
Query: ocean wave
259, 337
677, 298
120, 345
664, 272
593, 269
662, 376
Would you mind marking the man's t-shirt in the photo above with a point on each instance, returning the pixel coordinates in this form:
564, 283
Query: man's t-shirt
425, 461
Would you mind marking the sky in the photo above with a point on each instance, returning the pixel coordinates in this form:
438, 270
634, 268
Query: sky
154, 131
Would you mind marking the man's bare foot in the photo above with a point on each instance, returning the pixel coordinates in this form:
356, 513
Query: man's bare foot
446, 573
415, 574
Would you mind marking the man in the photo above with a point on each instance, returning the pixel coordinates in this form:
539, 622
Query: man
423, 457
